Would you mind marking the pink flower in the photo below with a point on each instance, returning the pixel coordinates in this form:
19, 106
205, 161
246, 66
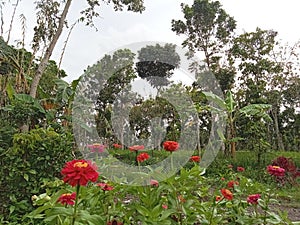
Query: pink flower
154, 183
240, 169
67, 199
136, 148
164, 206
117, 146
96, 147
105, 186
276, 171
253, 199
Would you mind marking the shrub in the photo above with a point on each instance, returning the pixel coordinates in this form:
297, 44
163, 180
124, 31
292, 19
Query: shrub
35, 157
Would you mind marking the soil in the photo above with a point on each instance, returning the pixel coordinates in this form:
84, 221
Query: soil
293, 212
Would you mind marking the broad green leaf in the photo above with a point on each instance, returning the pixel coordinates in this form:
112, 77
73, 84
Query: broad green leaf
215, 99
230, 103
10, 91
143, 210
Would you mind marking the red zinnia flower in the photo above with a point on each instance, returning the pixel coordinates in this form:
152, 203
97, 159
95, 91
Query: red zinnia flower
227, 194
253, 199
276, 171
96, 147
171, 146
240, 169
105, 186
67, 199
136, 148
231, 183
195, 158
117, 146
142, 157
154, 183
79, 172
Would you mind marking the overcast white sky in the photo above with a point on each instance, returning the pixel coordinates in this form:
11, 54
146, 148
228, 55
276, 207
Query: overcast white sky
117, 29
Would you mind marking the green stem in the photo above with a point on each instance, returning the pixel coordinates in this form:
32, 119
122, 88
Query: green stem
255, 210
172, 163
212, 213
76, 204
136, 161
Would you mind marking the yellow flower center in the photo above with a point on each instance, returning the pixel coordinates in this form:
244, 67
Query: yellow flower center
68, 194
276, 167
97, 144
81, 164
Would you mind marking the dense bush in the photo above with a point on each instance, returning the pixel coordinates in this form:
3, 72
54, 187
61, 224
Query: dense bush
34, 158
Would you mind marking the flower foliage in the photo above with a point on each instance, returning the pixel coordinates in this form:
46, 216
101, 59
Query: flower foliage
79, 172
179, 198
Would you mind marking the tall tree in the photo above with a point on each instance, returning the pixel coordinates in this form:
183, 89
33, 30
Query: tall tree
107, 85
52, 20
157, 63
252, 54
209, 29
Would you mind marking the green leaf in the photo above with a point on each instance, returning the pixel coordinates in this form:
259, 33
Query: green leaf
259, 110
91, 219
215, 99
10, 91
61, 211
230, 103
143, 210
26, 177
11, 209
166, 213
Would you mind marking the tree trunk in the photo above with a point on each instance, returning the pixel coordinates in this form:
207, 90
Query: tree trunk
277, 131
42, 66
232, 136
